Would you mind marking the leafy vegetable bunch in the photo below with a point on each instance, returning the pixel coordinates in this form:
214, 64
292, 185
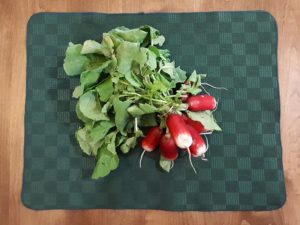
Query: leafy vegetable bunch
128, 82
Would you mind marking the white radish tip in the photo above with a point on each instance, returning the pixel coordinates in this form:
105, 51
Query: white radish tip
201, 150
184, 140
147, 148
215, 102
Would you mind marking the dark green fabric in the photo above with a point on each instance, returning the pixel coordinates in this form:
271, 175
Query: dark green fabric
237, 50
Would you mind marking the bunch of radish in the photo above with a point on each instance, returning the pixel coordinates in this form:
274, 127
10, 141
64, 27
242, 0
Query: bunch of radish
181, 133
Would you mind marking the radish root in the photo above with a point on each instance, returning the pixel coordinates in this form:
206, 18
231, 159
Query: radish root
205, 90
207, 146
209, 85
172, 164
190, 159
203, 158
141, 158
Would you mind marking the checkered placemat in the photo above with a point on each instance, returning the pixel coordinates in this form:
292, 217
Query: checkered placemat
237, 50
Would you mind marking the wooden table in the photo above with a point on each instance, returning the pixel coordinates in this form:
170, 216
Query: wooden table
14, 15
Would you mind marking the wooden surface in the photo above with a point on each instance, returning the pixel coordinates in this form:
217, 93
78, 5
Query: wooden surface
14, 15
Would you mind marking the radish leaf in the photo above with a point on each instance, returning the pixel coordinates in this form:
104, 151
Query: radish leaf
206, 118
126, 52
130, 35
121, 114
135, 111
100, 130
91, 46
90, 107
165, 164
105, 164
105, 90
74, 62
88, 78
82, 138
78, 91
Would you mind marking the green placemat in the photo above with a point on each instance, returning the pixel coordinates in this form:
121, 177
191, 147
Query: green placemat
237, 50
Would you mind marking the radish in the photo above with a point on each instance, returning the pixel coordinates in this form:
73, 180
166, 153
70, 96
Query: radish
151, 141
195, 124
168, 147
201, 103
179, 131
198, 148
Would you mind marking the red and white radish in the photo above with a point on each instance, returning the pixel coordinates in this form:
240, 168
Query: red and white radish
195, 124
198, 148
151, 141
179, 131
168, 147
201, 103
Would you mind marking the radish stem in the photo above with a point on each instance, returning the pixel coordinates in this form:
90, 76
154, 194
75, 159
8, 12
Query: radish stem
190, 159
135, 125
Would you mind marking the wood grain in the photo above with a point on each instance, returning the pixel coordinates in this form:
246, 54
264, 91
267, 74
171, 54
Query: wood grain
14, 15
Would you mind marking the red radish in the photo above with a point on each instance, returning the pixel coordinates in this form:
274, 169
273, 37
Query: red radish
201, 102
198, 148
151, 141
195, 124
168, 147
179, 131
